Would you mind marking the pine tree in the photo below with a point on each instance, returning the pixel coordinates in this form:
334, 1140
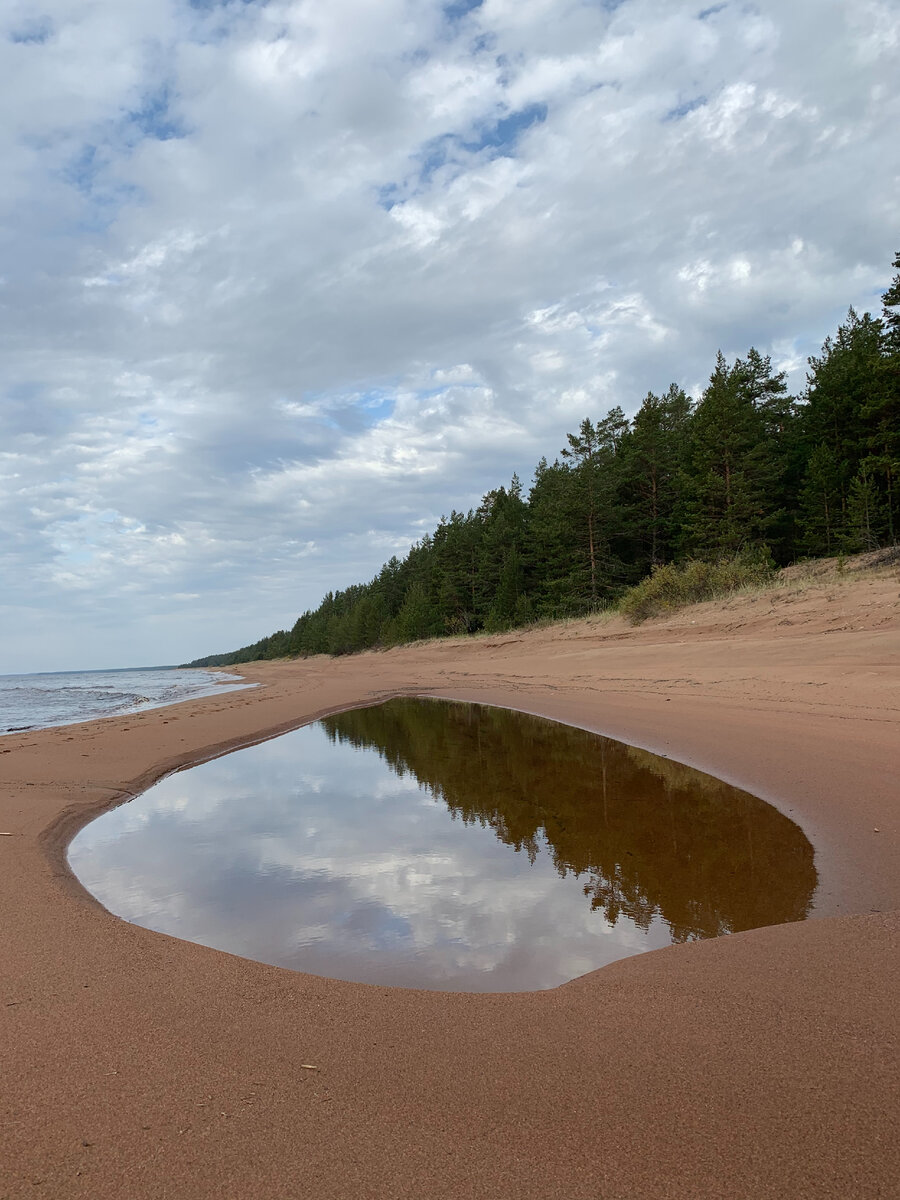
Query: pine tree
882, 412
419, 617
552, 542
591, 454
457, 545
503, 514
839, 386
864, 516
891, 301
821, 520
729, 478
653, 457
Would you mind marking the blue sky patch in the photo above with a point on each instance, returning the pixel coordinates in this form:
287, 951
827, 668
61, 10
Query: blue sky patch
388, 195
503, 134
497, 138
154, 119
436, 154
375, 406
457, 9
209, 5
34, 31
682, 110
83, 169
104, 195
218, 19
484, 43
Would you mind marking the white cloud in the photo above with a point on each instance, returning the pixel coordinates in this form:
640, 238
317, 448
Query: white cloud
345, 869
287, 280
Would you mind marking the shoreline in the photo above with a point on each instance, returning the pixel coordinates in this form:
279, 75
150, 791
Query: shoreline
144, 704
759, 1064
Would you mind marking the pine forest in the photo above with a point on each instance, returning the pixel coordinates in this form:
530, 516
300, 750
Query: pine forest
746, 472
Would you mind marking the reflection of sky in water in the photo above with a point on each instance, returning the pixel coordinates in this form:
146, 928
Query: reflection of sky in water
319, 857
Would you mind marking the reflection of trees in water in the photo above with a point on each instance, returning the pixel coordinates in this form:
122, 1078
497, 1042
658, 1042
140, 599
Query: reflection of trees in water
647, 836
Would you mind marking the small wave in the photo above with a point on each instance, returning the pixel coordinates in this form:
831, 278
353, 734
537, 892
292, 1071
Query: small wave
47, 701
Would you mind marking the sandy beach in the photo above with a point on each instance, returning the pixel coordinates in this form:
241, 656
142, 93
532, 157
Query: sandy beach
760, 1065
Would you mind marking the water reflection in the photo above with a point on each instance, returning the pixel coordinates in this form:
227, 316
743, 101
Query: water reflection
330, 850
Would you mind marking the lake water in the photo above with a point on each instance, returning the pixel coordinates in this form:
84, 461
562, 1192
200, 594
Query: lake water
48, 699
427, 843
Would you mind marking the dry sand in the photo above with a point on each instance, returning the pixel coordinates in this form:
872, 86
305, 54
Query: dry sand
763, 1064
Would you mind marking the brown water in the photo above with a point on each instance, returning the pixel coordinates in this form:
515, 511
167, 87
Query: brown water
437, 844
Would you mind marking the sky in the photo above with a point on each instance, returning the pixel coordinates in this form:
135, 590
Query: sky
282, 283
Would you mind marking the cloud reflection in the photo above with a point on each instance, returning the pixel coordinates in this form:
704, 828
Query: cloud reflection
312, 852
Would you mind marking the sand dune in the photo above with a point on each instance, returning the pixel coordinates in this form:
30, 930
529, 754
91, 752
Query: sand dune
760, 1065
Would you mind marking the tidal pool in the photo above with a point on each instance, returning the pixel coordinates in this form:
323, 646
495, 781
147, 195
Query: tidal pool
436, 844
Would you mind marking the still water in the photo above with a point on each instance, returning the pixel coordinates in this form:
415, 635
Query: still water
434, 844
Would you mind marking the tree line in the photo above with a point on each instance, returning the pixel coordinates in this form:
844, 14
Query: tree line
746, 469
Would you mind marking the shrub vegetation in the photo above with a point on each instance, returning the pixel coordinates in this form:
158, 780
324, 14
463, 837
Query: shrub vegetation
671, 586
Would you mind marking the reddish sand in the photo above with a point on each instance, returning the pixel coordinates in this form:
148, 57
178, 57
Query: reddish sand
759, 1065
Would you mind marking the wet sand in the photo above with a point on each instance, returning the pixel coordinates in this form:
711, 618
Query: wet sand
762, 1064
